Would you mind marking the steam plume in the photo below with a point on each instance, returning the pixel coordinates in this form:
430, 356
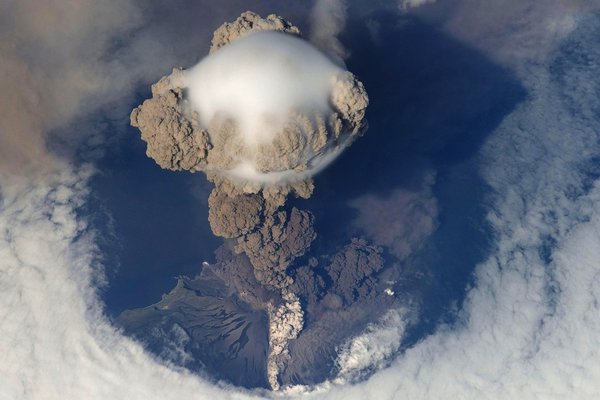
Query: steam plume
328, 20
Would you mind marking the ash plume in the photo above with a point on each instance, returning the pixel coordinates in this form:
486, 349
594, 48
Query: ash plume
260, 115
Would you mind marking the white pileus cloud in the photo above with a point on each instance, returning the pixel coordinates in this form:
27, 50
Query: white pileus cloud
261, 82
258, 80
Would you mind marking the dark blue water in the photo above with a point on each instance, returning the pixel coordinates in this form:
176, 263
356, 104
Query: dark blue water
157, 228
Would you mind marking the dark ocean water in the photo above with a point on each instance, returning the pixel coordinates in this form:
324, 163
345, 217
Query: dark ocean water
156, 228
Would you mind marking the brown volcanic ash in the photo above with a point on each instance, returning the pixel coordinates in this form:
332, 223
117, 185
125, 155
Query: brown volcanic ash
249, 209
254, 172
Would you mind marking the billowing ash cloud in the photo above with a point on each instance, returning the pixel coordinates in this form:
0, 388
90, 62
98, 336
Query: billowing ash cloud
260, 115
267, 108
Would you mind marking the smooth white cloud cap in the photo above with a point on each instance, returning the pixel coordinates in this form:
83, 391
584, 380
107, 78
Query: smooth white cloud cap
257, 80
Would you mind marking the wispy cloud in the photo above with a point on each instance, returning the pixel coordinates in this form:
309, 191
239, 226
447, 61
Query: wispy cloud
401, 221
328, 20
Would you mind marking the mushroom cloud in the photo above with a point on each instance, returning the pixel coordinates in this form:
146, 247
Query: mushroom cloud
260, 115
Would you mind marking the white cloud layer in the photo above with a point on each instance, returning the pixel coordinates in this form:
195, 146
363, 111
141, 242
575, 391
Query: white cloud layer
529, 328
56, 344
509, 31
